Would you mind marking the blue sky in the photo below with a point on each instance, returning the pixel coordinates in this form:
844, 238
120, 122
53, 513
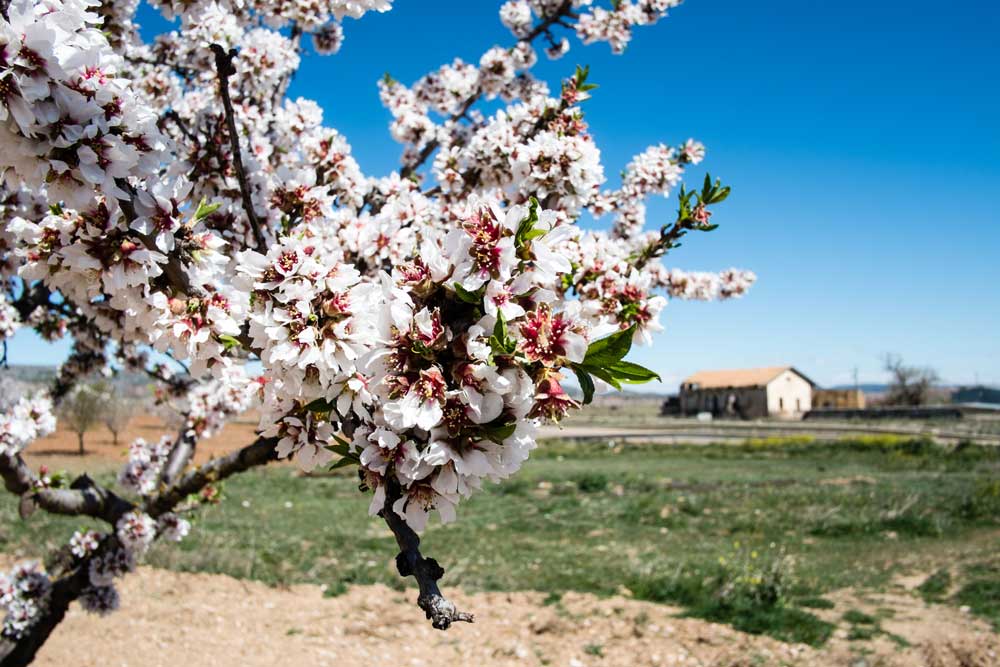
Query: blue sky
861, 139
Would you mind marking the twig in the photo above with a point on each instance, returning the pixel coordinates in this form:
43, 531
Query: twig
259, 452
429, 147
224, 66
555, 17
543, 27
440, 610
659, 247
179, 122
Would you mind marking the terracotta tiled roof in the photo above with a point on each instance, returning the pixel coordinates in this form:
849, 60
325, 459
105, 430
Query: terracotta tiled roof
742, 377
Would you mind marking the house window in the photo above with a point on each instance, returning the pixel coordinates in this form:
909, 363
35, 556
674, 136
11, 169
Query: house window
798, 405
781, 404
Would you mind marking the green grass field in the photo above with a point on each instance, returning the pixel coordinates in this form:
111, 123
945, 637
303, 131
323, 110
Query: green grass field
751, 535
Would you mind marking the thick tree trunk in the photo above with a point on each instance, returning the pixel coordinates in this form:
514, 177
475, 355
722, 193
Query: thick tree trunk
79, 439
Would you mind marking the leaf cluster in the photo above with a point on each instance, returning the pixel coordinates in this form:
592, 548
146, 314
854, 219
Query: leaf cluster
605, 359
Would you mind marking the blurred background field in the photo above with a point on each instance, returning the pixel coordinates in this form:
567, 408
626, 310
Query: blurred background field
763, 535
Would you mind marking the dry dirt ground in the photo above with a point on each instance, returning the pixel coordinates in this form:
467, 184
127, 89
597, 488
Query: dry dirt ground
61, 448
170, 619
197, 620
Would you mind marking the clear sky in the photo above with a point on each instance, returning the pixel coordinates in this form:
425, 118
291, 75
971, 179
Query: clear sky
861, 138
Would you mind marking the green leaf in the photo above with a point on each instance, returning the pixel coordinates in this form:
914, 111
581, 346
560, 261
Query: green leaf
343, 448
343, 462
606, 351
603, 374
630, 373
526, 229
204, 210
501, 341
229, 342
319, 405
338, 449
498, 432
719, 195
500, 328
467, 296
586, 383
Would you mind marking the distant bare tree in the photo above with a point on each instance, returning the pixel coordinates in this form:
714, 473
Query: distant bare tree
81, 410
909, 385
117, 412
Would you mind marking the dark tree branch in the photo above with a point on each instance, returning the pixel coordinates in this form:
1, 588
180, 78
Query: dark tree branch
17, 476
440, 610
429, 148
259, 452
669, 236
83, 498
32, 296
178, 383
224, 66
174, 117
553, 18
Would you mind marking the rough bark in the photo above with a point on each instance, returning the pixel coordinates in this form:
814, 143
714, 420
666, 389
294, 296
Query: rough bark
441, 611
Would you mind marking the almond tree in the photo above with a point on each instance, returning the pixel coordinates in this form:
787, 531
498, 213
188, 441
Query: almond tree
117, 412
81, 410
167, 198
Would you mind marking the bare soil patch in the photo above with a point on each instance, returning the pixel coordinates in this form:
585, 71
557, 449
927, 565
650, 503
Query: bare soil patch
60, 450
173, 619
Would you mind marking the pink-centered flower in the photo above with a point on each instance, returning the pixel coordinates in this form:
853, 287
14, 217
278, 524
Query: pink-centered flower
552, 338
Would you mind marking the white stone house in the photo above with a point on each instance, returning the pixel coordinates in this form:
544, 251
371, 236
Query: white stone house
779, 391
